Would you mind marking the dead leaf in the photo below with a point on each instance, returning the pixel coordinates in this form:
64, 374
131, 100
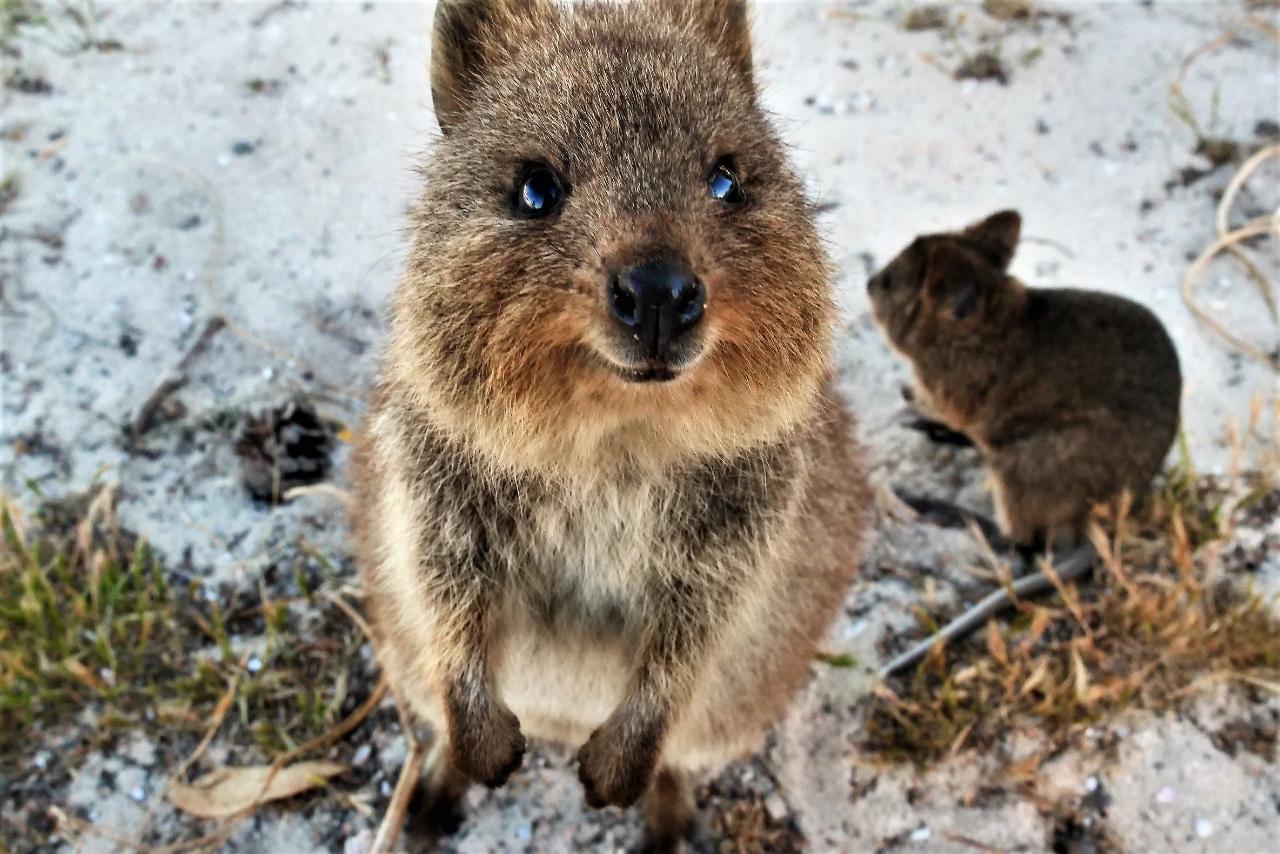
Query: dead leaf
995, 643
229, 791
84, 674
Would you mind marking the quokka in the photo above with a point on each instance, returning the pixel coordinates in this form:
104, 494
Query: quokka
1072, 396
608, 496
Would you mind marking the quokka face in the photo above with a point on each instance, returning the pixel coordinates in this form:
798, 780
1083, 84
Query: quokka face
947, 286
612, 256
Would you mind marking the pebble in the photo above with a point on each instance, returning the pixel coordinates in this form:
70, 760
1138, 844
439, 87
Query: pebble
921, 834
138, 793
254, 664
1166, 795
358, 844
1091, 784
775, 806
361, 756
1204, 828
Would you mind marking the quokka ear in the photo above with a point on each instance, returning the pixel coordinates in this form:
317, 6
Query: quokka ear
953, 283
996, 237
725, 24
467, 39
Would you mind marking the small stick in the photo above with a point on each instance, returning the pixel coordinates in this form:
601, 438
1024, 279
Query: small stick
411, 772
174, 380
272, 10
1073, 566
215, 723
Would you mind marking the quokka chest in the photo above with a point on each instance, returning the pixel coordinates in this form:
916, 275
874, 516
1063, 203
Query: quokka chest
587, 562
594, 560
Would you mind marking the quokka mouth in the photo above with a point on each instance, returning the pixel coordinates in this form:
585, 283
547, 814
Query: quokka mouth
659, 372
644, 373
654, 374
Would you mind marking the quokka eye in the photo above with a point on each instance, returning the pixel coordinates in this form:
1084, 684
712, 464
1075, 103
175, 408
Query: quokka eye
540, 191
723, 183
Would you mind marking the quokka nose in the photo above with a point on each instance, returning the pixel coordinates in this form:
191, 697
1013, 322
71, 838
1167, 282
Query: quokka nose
657, 301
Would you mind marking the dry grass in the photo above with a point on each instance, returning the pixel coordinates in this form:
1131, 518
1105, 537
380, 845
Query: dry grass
65, 26
86, 617
98, 639
10, 188
1156, 623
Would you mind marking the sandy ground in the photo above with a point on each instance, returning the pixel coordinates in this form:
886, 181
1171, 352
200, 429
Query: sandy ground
257, 160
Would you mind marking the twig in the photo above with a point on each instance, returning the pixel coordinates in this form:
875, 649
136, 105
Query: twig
1178, 100
343, 728
389, 831
336, 492
1073, 566
174, 380
973, 843
82, 827
271, 11
1227, 239
1192, 276
1051, 243
410, 774
219, 714
352, 614
347, 725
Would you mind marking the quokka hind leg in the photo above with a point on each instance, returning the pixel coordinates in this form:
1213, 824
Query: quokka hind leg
436, 808
669, 810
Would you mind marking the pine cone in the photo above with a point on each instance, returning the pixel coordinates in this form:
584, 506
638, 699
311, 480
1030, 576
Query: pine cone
284, 447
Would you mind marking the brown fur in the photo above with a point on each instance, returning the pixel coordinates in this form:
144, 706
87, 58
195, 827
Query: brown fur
639, 569
1073, 396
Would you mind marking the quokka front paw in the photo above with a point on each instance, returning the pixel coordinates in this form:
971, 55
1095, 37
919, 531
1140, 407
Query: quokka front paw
617, 763
485, 743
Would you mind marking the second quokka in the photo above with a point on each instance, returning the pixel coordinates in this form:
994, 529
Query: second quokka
1072, 396
607, 495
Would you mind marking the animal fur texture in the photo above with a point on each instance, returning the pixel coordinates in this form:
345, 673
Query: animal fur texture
1072, 396
552, 547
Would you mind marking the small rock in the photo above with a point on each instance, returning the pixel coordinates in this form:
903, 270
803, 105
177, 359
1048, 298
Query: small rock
776, 807
1166, 795
1204, 828
921, 834
925, 18
358, 844
242, 148
361, 756
983, 66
